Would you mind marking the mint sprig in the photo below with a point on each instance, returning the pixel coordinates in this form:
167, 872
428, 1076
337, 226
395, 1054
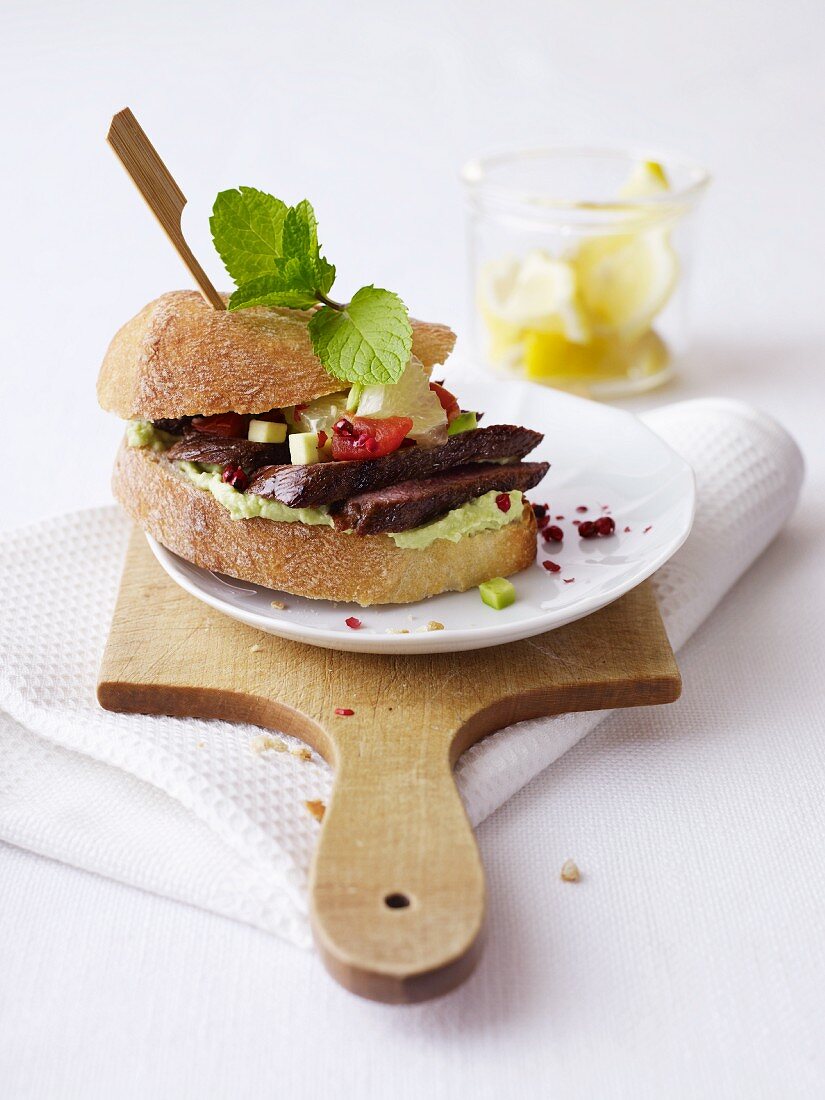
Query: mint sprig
271, 251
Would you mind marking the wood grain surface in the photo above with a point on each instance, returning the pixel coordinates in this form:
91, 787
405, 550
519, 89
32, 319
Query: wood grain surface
397, 884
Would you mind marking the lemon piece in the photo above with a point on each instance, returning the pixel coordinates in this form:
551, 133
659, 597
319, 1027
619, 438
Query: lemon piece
647, 178
549, 355
649, 355
543, 296
503, 338
625, 280
538, 292
409, 396
549, 358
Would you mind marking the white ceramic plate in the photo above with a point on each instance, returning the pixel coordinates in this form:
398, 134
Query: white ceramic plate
602, 458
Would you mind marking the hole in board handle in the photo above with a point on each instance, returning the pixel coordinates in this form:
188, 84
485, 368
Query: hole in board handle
396, 901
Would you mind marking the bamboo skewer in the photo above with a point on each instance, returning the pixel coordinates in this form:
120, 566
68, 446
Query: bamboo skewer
164, 198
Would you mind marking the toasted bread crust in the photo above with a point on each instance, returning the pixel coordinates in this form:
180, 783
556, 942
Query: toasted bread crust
317, 562
180, 357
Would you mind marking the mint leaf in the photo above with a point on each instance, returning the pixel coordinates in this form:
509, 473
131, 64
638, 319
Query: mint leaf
287, 283
300, 235
324, 275
247, 228
300, 241
368, 341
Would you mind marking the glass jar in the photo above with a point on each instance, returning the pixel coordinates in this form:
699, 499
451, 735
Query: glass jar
580, 264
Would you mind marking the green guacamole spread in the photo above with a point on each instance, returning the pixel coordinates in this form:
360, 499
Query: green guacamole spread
143, 433
482, 514
248, 505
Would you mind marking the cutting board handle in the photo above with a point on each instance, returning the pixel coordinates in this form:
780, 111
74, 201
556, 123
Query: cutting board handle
397, 887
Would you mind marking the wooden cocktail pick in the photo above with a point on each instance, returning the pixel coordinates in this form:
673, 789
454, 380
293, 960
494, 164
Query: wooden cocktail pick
163, 196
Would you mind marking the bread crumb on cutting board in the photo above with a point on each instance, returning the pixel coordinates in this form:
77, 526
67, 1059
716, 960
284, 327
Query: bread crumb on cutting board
570, 872
265, 742
317, 808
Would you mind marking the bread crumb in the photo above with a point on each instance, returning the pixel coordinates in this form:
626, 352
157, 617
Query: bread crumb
265, 742
277, 605
431, 625
317, 808
569, 871
255, 648
397, 630
200, 745
303, 753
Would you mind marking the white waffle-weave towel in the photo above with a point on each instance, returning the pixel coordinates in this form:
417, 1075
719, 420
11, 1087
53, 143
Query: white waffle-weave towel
183, 807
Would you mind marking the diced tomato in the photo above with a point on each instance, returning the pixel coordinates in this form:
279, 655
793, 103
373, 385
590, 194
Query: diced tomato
228, 424
448, 402
368, 437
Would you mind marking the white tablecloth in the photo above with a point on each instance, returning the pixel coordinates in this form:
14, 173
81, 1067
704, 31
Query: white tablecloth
689, 962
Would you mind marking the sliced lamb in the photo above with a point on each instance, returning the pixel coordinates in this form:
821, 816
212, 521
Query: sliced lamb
411, 503
329, 482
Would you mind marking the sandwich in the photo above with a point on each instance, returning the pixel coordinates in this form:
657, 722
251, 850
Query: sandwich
265, 446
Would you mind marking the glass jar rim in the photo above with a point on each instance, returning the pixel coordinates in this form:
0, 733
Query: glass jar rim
475, 174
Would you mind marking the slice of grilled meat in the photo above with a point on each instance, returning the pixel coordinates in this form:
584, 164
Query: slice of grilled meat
221, 450
411, 503
330, 482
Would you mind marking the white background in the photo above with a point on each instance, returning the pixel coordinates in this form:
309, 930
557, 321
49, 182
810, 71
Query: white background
690, 961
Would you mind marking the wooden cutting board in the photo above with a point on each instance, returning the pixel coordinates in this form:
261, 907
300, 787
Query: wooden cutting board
397, 886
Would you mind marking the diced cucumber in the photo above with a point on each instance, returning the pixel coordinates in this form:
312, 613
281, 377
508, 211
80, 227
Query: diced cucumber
265, 431
497, 593
464, 422
303, 448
